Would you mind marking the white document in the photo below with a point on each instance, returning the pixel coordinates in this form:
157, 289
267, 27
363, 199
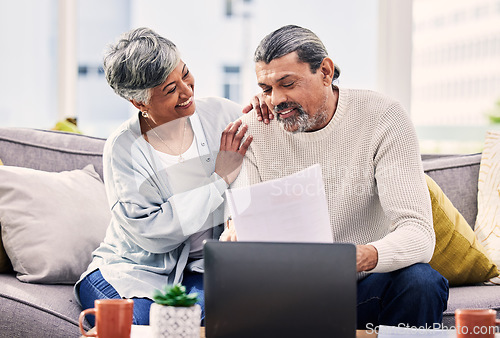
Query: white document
402, 332
141, 331
412, 332
288, 209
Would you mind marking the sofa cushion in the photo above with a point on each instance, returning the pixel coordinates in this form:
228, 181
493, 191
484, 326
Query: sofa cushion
37, 310
488, 216
51, 222
458, 255
471, 297
445, 170
5, 265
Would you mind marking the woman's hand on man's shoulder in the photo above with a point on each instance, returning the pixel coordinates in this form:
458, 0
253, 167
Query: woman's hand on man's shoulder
258, 104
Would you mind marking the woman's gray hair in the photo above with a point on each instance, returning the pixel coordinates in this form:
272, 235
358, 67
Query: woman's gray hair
138, 62
289, 39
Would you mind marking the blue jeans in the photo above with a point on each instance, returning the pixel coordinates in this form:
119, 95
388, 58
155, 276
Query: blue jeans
415, 296
94, 286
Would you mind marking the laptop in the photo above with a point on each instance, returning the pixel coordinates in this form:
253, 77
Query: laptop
267, 289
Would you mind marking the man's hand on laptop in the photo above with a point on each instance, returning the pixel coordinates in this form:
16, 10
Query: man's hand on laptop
366, 257
229, 234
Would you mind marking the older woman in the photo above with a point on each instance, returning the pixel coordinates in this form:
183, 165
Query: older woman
166, 170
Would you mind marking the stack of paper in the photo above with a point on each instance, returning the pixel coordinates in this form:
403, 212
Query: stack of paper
288, 209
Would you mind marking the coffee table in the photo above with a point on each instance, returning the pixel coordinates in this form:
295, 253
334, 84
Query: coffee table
143, 331
359, 334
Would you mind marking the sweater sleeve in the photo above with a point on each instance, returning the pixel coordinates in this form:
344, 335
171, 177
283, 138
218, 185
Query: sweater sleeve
149, 215
403, 193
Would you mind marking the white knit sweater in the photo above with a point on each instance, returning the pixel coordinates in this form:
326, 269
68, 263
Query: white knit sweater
371, 167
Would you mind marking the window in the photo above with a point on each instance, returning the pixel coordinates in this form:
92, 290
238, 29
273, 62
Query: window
231, 83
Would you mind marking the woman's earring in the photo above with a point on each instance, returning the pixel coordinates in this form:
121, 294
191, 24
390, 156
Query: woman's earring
145, 114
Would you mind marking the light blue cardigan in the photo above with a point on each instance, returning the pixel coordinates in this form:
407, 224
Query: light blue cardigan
147, 242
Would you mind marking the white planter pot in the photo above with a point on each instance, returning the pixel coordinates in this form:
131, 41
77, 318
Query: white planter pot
171, 321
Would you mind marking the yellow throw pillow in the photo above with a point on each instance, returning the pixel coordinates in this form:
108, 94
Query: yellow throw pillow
487, 226
5, 265
458, 255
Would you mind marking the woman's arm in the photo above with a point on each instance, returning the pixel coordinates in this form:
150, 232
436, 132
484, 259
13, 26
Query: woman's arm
162, 227
157, 219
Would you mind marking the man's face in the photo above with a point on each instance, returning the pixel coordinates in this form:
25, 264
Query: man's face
296, 95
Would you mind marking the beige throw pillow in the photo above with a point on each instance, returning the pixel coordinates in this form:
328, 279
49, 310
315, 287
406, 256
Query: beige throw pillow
5, 265
487, 226
51, 222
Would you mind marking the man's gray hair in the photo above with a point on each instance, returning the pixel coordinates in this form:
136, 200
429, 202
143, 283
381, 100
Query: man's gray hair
289, 39
138, 62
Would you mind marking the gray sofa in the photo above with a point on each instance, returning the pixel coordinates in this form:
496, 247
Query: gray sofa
34, 310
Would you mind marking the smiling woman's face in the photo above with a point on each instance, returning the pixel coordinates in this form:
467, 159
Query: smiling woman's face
174, 98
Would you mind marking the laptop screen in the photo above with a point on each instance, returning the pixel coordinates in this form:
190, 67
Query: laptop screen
263, 289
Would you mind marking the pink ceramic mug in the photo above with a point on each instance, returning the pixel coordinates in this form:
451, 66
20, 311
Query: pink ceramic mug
476, 323
113, 318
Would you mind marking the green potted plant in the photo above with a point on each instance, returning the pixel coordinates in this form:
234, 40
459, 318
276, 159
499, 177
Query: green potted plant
175, 313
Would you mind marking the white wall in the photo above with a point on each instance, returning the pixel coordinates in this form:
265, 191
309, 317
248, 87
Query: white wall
395, 50
99, 109
207, 39
28, 70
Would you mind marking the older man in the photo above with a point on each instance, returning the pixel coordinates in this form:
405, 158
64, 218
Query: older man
369, 155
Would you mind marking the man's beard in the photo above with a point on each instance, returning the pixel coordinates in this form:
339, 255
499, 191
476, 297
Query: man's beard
301, 120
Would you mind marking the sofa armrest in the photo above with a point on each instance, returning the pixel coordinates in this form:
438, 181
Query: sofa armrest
49, 150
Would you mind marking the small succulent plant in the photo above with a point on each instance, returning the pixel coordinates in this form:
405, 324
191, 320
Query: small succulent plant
175, 295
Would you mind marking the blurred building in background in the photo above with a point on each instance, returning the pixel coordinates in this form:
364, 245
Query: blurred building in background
455, 72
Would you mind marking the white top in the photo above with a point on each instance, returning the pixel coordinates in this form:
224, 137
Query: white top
154, 212
182, 176
374, 181
170, 160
